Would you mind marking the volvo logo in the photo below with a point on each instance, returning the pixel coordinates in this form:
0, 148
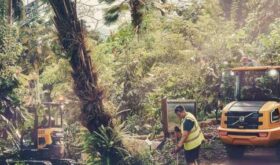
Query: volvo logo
241, 119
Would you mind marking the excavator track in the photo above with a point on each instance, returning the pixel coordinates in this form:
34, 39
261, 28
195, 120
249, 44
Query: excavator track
28, 162
42, 162
63, 162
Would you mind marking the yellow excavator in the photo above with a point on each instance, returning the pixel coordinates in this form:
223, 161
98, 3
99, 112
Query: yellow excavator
253, 118
43, 144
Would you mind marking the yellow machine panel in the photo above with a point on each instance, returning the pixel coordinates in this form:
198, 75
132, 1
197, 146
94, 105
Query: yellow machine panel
268, 132
44, 136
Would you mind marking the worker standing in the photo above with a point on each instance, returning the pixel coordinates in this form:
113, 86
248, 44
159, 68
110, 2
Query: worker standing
192, 136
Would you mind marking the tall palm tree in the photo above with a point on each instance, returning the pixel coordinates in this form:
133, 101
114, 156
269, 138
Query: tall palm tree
72, 37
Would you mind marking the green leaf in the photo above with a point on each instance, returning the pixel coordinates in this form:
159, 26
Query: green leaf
107, 1
111, 18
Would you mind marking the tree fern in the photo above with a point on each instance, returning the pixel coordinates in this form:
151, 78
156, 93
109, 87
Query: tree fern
135, 7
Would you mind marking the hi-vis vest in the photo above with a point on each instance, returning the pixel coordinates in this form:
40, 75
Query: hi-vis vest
195, 137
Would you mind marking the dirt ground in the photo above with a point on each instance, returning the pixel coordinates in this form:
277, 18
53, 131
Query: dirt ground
258, 156
213, 153
212, 150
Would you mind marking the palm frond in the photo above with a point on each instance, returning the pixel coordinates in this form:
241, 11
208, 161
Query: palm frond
107, 1
111, 18
112, 14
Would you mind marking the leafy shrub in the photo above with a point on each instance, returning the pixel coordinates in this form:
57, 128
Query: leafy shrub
104, 146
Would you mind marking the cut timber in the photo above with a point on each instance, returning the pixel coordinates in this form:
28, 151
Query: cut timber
208, 122
138, 145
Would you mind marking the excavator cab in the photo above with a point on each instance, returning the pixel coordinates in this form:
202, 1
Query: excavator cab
45, 140
49, 130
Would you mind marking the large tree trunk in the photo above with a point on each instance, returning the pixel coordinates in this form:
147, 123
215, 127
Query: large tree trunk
10, 12
226, 6
136, 14
72, 38
93, 115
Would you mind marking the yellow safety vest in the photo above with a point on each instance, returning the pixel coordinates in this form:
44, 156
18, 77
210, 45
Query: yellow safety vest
195, 137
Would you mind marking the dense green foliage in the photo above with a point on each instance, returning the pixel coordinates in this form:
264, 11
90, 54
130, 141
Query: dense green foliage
182, 56
182, 51
105, 146
10, 114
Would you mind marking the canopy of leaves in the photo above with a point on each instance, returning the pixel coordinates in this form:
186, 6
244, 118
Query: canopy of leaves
183, 51
183, 54
10, 113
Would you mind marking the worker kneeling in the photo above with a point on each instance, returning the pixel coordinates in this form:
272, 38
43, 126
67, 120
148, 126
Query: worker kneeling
192, 136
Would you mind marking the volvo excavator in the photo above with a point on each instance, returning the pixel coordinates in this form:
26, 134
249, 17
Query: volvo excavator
253, 118
43, 144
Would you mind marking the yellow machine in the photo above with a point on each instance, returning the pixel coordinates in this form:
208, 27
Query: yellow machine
43, 144
253, 119
46, 136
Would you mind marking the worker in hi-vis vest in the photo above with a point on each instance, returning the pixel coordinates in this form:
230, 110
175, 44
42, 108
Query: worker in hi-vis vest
191, 138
